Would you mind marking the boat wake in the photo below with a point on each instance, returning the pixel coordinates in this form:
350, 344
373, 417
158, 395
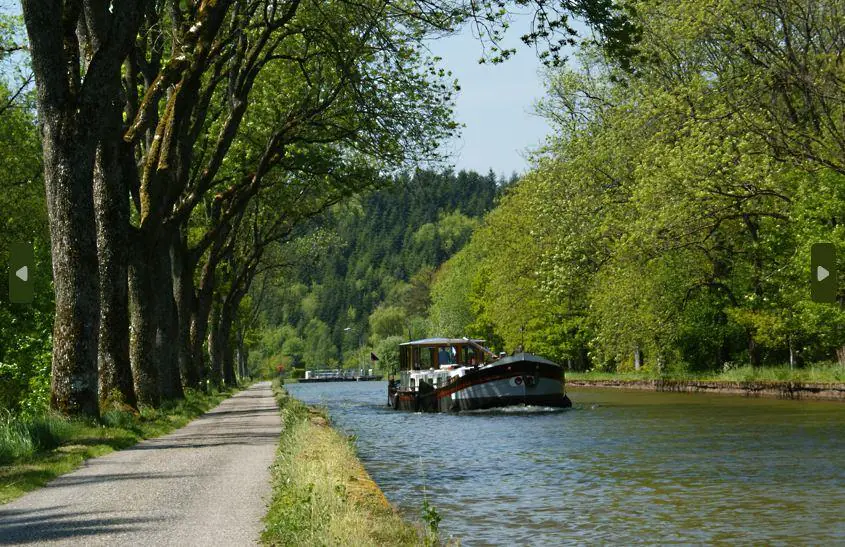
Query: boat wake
516, 409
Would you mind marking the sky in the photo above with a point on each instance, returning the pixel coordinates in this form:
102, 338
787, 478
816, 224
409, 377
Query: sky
495, 103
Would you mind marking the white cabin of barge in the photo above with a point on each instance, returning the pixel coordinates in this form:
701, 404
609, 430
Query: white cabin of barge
437, 361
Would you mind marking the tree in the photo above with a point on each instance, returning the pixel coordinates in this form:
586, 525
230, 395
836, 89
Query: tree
319, 350
387, 321
153, 100
667, 223
73, 119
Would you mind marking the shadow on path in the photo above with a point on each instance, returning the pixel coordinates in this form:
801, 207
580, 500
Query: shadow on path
35, 526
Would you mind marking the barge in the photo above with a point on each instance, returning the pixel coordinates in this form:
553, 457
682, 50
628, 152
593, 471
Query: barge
455, 374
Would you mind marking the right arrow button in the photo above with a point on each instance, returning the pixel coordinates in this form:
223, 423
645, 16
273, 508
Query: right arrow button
821, 273
823, 267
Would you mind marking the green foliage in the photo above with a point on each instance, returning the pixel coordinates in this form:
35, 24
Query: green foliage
376, 280
387, 350
25, 330
672, 213
318, 349
432, 519
451, 313
386, 321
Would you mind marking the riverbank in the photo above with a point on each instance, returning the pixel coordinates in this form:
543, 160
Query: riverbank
777, 383
322, 495
34, 451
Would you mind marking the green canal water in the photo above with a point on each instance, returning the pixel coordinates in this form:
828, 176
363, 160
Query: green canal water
620, 467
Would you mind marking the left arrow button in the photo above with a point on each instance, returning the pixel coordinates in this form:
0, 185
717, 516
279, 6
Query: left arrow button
21, 264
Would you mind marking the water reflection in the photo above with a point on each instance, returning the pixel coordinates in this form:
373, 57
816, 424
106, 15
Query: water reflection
619, 467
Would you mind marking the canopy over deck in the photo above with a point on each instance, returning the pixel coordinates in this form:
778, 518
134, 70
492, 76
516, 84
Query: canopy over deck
434, 342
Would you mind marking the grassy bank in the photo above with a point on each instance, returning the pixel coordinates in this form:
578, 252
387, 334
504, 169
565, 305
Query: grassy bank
322, 495
828, 373
36, 450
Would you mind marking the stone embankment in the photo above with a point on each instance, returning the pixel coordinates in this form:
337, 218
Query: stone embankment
780, 390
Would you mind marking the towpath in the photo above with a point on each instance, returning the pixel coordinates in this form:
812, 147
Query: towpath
204, 484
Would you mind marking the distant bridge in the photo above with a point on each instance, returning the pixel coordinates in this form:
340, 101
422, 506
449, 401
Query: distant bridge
340, 375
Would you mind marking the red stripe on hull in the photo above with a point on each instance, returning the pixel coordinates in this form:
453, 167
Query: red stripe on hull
440, 399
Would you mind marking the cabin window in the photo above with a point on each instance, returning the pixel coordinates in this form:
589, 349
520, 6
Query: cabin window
472, 356
427, 357
411, 384
404, 354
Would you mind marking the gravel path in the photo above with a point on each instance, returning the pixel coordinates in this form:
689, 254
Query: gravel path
205, 484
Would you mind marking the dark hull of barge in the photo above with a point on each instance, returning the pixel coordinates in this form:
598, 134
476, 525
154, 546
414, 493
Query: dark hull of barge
522, 379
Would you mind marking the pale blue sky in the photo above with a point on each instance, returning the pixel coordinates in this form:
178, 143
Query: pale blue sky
495, 103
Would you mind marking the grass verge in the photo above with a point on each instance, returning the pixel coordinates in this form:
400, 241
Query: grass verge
822, 373
322, 495
35, 450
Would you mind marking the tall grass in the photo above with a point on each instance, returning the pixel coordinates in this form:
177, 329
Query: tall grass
21, 438
321, 493
816, 373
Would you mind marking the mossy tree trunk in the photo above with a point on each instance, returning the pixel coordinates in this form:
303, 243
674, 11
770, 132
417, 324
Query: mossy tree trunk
143, 320
167, 325
215, 344
112, 213
184, 296
64, 38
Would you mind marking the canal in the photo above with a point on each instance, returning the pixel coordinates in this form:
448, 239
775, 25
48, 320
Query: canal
619, 467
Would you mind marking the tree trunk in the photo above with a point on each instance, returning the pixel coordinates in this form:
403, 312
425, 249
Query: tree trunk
68, 152
791, 353
637, 358
199, 332
753, 350
112, 213
70, 208
583, 359
215, 348
243, 354
228, 311
227, 352
201, 314
167, 325
199, 324
183, 293
143, 320
70, 110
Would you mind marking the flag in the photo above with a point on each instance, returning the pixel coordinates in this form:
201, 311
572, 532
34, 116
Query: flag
373, 357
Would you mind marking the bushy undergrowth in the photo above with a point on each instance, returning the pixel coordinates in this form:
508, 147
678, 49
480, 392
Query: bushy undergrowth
321, 493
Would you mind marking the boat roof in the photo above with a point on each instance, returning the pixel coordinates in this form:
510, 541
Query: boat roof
442, 342
524, 356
